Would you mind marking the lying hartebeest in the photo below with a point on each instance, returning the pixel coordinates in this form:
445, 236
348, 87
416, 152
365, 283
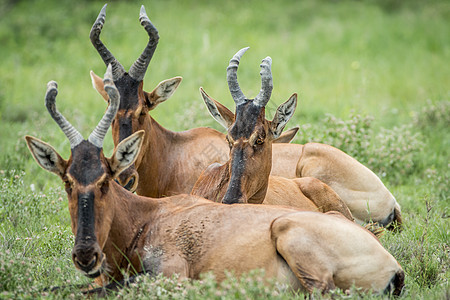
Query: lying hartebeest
245, 177
360, 189
171, 162
117, 231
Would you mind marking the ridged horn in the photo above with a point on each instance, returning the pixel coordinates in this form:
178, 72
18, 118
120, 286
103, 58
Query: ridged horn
266, 83
99, 132
71, 133
233, 85
108, 58
139, 67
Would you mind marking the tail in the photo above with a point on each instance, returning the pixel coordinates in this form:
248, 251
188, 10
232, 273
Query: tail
396, 224
398, 282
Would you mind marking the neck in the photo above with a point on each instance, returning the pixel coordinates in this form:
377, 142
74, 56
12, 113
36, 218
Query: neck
132, 214
213, 182
156, 148
261, 191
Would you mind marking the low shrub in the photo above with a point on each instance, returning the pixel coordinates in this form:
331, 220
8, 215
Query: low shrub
393, 154
433, 115
418, 250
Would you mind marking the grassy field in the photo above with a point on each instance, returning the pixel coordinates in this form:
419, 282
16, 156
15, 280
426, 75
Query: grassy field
373, 80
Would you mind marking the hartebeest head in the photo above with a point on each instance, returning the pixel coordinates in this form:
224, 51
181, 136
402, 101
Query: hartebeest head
250, 135
135, 103
88, 176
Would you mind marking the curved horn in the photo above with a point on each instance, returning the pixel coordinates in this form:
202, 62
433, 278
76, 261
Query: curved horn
108, 58
99, 132
266, 83
233, 85
50, 98
139, 67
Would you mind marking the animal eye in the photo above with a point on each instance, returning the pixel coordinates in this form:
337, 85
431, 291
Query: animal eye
68, 186
259, 141
142, 115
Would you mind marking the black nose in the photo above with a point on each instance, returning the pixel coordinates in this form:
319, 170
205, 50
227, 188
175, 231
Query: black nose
86, 258
232, 200
84, 263
86, 267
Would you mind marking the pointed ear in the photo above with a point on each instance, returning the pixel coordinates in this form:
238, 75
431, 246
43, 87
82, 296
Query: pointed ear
287, 136
46, 156
219, 112
163, 91
126, 153
97, 83
284, 113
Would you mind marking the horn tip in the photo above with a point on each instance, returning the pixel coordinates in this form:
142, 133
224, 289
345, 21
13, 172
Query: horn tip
266, 62
237, 57
142, 11
103, 10
52, 85
268, 58
242, 51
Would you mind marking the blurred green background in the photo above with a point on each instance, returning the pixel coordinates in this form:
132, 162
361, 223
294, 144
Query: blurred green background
373, 79
379, 58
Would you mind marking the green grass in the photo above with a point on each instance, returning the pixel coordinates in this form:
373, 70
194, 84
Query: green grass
372, 77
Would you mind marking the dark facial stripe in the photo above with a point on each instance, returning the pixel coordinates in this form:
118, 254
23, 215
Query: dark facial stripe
86, 219
247, 116
129, 102
128, 89
125, 128
234, 192
86, 167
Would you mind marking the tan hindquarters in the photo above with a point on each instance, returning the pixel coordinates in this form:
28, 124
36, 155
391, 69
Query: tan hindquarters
327, 251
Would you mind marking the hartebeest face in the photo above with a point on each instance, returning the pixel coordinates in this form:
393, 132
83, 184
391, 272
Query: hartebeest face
250, 143
135, 103
250, 135
88, 176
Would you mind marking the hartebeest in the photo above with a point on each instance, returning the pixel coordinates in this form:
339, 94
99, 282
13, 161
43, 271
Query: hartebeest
116, 230
171, 162
245, 177
360, 189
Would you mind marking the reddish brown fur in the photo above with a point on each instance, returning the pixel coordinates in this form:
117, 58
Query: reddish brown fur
182, 156
171, 162
117, 231
159, 166
256, 185
188, 235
